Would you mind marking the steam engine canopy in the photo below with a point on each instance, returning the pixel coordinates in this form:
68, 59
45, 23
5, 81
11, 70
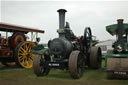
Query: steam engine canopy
60, 46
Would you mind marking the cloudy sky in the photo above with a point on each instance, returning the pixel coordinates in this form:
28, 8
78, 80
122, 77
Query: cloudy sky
80, 14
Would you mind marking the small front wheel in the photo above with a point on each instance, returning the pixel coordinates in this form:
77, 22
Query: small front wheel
39, 67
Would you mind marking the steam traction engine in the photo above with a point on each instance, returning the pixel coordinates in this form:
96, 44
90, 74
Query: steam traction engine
116, 60
67, 52
14, 48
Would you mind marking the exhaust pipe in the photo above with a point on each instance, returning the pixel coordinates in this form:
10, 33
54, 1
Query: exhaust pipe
120, 22
120, 29
61, 18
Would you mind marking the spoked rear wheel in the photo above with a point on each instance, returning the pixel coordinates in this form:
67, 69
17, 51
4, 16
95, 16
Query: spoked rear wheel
23, 54
40, 69
76, 64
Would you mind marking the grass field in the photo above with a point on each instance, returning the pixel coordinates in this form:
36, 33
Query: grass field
20, 76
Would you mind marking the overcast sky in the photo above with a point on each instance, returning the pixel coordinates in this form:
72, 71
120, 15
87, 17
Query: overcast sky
80, 14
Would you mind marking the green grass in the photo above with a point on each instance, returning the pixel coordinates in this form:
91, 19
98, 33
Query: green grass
18, 76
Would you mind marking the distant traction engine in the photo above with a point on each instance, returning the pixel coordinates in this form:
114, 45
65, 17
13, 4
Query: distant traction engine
15, 49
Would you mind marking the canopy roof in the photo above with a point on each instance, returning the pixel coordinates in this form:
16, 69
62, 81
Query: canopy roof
14, 28
113, 28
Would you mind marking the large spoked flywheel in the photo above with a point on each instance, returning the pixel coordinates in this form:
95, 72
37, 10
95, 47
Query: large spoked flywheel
23, 54
87, 38
76, 64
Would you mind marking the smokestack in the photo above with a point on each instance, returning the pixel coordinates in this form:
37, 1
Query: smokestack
120, 21
61, 18
120, 29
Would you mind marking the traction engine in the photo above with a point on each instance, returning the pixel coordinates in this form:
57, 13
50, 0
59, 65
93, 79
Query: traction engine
67, 52
116, 60
15, 49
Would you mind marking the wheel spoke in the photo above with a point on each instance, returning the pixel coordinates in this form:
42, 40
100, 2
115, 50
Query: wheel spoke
32, 55
23, 47
30, 60
23, 50
30, 49
26, 47
21, 59
22, 62
20, 50
20, 54
25, 61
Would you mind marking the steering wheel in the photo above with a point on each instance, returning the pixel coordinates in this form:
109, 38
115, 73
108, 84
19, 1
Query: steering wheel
87, 38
